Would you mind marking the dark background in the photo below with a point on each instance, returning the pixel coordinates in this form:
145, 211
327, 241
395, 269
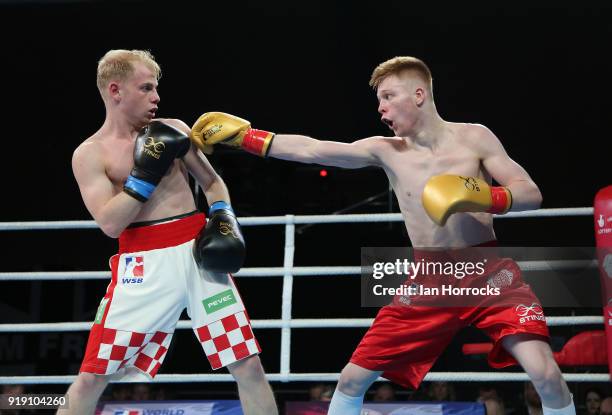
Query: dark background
536, 74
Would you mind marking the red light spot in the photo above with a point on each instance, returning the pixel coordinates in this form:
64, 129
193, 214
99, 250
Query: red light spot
323, 173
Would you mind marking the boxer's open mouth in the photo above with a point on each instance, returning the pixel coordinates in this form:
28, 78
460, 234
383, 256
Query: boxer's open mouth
388, 122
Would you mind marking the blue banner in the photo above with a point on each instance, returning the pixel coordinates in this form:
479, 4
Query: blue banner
172, 408
398, 408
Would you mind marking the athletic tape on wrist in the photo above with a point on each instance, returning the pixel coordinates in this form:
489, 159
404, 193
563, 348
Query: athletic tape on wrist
145, 189
220, 204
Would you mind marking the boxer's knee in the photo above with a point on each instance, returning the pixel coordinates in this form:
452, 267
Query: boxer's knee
553, 390
89, 385
537, 359
355, 380
248, 371
83, 394
548, 380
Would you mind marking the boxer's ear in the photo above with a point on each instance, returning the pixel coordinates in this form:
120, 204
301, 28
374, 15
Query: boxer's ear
419, 95
114, 91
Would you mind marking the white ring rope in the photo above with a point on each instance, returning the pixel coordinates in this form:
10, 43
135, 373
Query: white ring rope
559, 265
288, 271
318, 377
273, 324
297, 219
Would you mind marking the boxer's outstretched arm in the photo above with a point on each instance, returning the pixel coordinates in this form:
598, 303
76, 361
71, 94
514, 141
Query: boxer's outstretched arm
329, 153
525, 193
220, 128
112, 212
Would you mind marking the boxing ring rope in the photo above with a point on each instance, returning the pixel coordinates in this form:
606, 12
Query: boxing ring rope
276, 271
303, 323
286, 323
297, 219
318, 377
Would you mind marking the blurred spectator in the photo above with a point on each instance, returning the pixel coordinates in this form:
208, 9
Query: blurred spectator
315, 392
606, 406
141, 392
159, 394
492, 400
487, 392
121, 392
12, 390
592, 401
384, 393
321, 392
441, 391
328, 392
494, 407
532, 405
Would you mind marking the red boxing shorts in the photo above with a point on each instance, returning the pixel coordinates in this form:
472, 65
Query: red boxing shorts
155, 277
406, 338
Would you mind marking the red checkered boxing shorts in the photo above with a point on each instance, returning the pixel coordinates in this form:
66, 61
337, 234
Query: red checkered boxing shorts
155, 277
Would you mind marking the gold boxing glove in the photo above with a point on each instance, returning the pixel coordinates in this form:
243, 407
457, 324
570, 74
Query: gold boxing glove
218, 127
447, 194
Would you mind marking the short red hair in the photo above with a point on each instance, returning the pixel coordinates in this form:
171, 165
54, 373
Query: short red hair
398, 66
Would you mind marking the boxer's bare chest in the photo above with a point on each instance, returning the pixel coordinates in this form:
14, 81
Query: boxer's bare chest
409, 168
118, 157
172, 195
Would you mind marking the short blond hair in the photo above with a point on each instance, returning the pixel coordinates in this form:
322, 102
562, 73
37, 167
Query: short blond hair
118, 64
399, 65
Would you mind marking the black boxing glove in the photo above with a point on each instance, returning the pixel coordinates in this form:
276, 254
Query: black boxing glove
219, 247
157, 145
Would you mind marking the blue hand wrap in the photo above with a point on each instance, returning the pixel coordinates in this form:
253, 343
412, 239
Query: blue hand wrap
220, 204
145, 189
